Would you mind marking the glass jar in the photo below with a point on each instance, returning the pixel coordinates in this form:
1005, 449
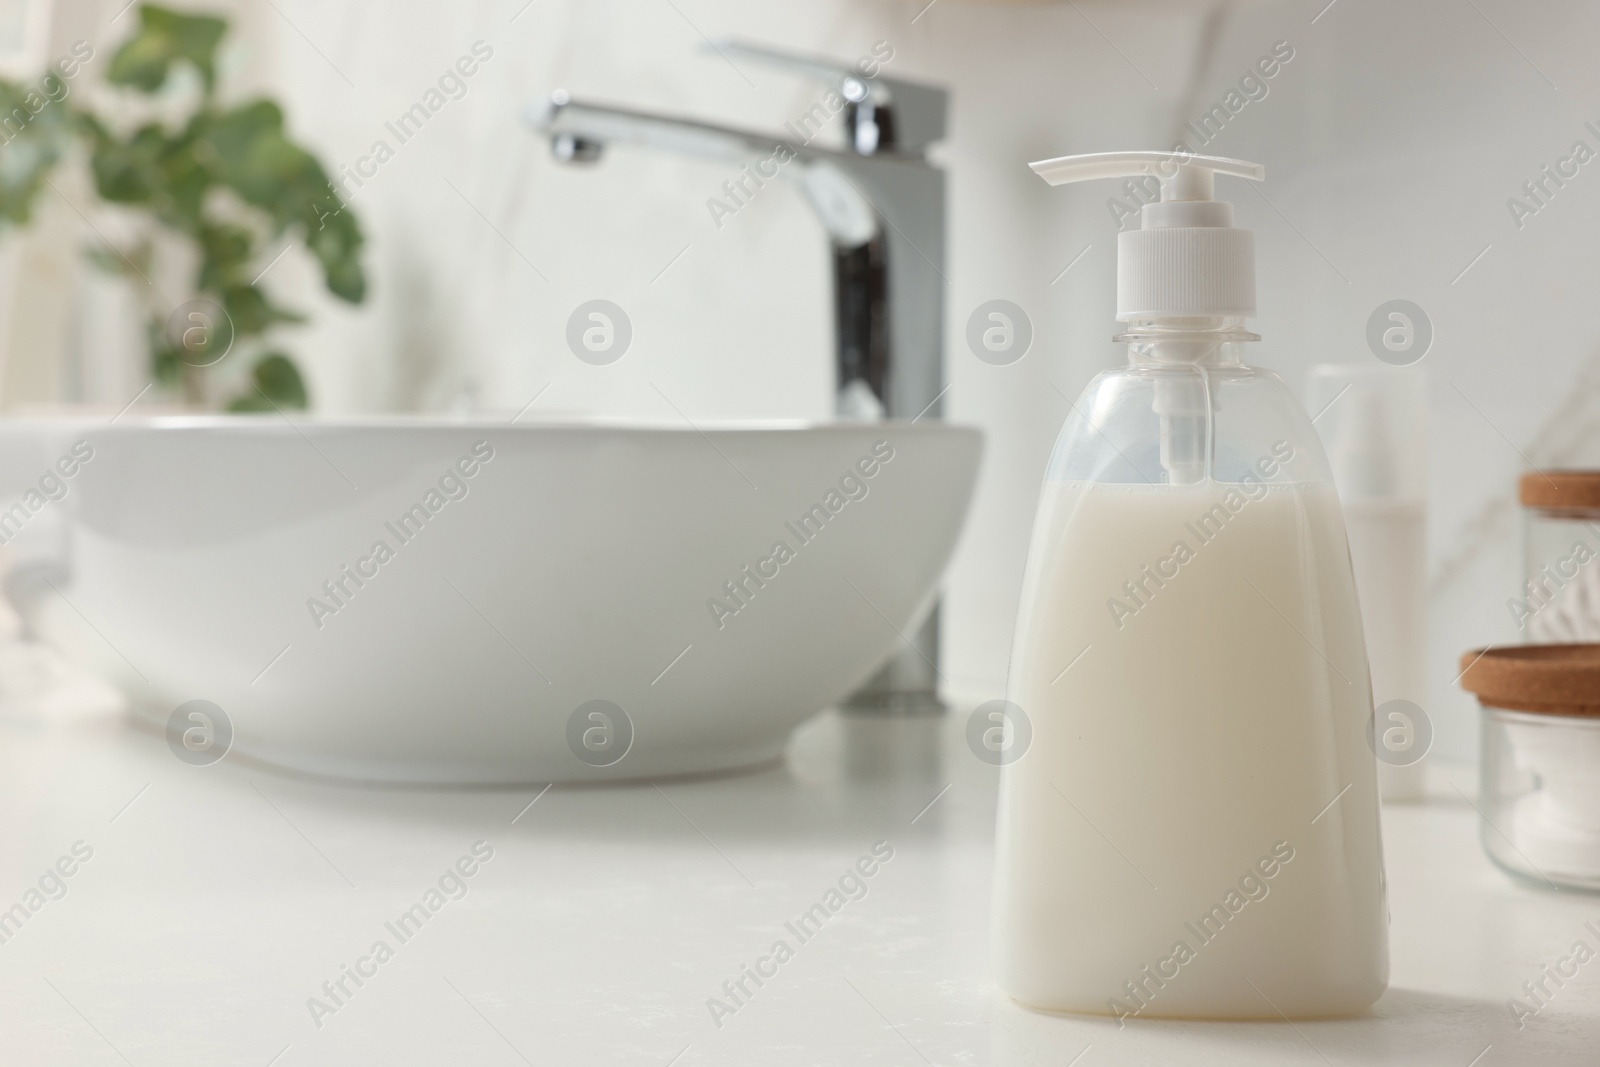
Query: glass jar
1540, 784
1559, 599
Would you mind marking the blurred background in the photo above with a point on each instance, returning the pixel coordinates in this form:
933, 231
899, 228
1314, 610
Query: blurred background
1392, 139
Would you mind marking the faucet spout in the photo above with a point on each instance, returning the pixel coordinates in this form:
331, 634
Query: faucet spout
602, 124
579, 132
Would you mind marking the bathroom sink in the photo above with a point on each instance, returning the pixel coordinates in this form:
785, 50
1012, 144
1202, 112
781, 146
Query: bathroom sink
530, 578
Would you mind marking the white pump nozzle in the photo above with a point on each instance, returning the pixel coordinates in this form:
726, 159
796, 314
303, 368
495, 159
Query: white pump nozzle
1187, 259
1183, 176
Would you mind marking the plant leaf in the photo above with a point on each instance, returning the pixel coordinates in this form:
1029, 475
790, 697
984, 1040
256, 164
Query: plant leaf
334, 237
164, 37
34, 131
226, 252
276, 381
251, 312
254, 158
164, 362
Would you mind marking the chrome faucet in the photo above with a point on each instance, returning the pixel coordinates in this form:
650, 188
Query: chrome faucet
882, 205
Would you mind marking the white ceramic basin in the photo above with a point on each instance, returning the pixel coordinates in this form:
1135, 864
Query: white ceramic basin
540, 567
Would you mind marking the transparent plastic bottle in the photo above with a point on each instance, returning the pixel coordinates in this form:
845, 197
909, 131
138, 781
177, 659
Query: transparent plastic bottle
1193, 830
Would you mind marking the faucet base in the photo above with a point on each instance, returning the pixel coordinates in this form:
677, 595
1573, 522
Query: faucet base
906, 704
908, 681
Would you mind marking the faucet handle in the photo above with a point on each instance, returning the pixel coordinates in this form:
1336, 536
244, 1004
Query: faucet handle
883, 114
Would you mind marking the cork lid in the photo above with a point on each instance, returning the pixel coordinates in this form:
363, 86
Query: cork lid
1544, 679
1560, 489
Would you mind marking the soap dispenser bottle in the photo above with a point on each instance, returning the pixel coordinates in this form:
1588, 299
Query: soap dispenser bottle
1193, 828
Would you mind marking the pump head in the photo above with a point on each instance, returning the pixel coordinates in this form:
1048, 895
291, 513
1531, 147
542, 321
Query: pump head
1187, 260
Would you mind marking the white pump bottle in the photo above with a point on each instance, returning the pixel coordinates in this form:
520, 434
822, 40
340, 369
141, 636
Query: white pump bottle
1193, 830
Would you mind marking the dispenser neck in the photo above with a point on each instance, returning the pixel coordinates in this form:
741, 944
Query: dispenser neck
1211, 341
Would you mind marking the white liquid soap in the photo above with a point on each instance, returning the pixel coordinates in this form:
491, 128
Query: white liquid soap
1192, 830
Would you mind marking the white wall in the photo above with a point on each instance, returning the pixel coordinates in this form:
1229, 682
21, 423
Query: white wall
1392, 141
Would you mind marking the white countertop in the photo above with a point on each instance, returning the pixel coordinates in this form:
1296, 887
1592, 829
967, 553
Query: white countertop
219, 899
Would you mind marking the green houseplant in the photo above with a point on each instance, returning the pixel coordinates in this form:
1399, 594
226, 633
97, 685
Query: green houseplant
223, 179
